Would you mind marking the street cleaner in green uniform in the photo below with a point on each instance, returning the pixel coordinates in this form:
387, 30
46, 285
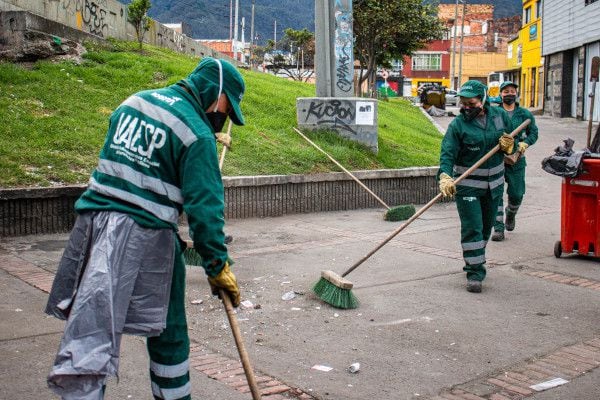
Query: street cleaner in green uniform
472, 134
123, 270
514, 172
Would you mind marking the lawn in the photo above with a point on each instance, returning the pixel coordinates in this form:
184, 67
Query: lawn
55, 115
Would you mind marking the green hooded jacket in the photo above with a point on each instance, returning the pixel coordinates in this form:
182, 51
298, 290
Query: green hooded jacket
159, 159
466, 142
528, 135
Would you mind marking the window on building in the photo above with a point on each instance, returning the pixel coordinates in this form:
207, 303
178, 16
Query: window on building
587, 2
538, 9
446, 35
527, 15
427, 62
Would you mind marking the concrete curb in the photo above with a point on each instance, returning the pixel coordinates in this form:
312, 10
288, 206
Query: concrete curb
25, 211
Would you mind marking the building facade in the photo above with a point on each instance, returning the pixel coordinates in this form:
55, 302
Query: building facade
450, 62
571, 39
525, 64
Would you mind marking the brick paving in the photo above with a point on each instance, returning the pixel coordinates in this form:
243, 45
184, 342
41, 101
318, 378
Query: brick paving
564, 279
568, 362
223, 369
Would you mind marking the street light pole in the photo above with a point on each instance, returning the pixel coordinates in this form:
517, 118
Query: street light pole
453, 64
252, 36
235, 30
231, 20
462, 35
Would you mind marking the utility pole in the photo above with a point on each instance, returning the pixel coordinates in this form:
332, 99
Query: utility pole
462, 36
275, 36
243, 50
230, 19
235, 30
453, 63
252, 36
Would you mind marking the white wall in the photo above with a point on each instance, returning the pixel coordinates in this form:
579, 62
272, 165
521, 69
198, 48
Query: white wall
568, 24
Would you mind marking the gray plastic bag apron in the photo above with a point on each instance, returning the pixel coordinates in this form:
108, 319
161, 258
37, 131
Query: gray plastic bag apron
114, 278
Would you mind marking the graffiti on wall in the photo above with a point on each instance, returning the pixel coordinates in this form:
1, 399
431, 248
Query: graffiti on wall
344, 57
335, 113
91, 15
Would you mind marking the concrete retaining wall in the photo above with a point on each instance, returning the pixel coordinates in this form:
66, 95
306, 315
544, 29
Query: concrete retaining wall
50, 210
108, 18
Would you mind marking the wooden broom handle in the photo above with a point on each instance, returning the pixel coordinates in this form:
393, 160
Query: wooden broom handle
435, 199
383, 203
222, 158
237, 335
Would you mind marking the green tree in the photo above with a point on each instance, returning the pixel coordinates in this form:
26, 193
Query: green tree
298, 65
137, 15
385, 30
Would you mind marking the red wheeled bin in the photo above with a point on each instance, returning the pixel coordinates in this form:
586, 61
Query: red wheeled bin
580, 212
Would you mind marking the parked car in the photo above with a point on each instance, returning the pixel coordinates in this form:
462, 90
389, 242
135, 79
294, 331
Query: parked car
452, 98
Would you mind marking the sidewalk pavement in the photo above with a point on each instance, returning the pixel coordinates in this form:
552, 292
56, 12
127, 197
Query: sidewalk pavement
417, 333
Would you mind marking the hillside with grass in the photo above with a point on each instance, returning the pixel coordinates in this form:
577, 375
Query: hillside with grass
55, 114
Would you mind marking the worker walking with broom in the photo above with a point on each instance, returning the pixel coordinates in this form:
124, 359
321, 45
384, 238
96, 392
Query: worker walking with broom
122, 270
469, 137
514, 165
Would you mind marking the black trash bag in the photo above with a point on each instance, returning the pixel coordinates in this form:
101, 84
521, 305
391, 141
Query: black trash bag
565, 161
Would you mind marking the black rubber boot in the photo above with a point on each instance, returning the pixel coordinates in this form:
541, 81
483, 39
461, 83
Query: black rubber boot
497, 236
509, 224
474, 286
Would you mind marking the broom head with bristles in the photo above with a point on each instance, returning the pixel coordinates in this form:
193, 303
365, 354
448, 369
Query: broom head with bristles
191, 257
335, 290
400, 213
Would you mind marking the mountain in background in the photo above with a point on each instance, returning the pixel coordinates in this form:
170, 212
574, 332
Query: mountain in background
209, 19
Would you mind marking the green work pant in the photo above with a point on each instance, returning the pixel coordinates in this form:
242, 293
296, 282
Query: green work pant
515, 188
169, 352
476, 220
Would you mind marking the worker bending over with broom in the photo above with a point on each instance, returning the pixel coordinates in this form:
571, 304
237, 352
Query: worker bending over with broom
514, 165
122, 270
476, 131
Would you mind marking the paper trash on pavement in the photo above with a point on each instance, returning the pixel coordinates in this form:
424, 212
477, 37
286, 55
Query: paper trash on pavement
323, 368
548, 384
247, 304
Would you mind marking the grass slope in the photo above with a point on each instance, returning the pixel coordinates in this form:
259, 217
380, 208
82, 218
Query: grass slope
55, 114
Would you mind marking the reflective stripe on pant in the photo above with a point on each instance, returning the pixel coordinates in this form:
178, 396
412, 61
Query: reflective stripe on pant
477, 215
515, 188
169, 352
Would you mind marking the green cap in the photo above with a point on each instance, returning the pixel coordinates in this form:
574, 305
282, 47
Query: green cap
508, 83
473, 88
218, 74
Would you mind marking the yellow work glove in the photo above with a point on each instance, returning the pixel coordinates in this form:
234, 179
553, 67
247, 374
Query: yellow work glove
447, 186
522, 147
226, 281
223, 138
506, 143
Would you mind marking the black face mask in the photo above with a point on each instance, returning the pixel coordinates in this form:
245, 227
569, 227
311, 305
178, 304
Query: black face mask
217, 120
470, 113
509, 99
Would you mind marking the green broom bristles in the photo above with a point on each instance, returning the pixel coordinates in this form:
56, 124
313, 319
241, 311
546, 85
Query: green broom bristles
400, 213
334, 295
191, 257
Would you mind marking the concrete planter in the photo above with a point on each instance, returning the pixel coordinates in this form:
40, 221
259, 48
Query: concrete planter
50, 210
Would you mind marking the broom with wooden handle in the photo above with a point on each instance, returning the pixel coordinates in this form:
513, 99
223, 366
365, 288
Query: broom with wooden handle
398, 213
193, 258
337, 291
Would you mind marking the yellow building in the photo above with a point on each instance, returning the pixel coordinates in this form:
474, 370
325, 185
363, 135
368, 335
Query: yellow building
525, 53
